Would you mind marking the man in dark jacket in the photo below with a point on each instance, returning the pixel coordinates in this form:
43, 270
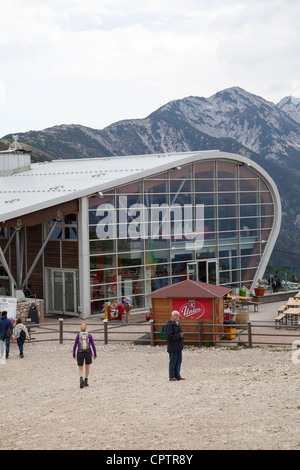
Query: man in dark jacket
4, 324
174, 337
33, 314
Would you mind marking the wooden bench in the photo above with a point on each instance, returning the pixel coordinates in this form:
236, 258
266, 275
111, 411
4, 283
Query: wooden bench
281, 309
279, 320
255, 305
242, 305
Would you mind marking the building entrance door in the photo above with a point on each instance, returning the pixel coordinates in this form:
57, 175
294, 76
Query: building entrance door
62, 291
204, 271
192, 271
208, 272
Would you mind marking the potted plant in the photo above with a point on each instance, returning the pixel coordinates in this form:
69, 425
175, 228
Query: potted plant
259, 289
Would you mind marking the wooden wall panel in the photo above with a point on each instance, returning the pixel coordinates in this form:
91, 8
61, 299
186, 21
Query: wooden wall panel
52, 254
33, 245
162, 309
38, 217
70, 255
57, 254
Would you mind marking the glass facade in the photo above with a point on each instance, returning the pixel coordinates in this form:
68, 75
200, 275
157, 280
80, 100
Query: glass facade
65, 229
214, 215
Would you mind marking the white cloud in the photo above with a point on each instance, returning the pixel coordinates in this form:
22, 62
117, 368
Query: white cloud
97, 61
296, 88
2, 92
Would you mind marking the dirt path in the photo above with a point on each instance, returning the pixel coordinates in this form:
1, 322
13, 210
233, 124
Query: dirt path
245, 399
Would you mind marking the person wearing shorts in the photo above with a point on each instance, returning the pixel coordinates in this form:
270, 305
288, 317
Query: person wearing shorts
84, 357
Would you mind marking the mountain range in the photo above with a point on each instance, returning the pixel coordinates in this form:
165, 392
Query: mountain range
232, 120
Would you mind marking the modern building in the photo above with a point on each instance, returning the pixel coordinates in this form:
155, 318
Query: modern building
85, 231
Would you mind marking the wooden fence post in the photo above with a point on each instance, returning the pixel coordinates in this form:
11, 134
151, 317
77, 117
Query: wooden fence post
61, 332
28, 327
200, 333
105, 331
249, 335
152, 332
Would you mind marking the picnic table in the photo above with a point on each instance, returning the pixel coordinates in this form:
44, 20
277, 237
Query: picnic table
290, 317
293, 303
244, 301
239, 297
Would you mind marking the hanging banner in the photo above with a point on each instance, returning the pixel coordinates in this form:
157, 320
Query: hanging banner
193, 308
10, 305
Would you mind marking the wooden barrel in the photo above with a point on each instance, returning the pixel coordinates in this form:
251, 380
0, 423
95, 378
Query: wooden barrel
242, 316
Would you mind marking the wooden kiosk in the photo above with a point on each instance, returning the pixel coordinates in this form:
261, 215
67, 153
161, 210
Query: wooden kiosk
194, 301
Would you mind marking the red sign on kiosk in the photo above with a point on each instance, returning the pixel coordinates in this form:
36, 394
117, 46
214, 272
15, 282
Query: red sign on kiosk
193, 308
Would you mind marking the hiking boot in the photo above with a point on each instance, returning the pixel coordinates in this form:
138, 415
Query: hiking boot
86, 383
81, 382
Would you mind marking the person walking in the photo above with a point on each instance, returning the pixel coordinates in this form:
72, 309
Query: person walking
6, 329
174, 336
20, 333
85, 343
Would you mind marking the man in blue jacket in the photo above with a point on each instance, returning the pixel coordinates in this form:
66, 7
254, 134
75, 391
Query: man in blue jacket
5, 323
174, 337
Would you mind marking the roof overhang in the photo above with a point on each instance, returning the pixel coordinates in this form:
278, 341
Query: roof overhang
189, 289
60, 181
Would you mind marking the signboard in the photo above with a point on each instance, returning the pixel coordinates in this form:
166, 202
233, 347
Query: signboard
10, 305
193, 308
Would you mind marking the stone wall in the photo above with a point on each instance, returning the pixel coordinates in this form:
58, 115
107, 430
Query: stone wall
23, 308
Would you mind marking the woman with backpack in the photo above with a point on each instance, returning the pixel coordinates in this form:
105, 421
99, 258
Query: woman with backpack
21, 333
84, 342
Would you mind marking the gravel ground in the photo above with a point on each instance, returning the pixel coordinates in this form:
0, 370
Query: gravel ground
231, 399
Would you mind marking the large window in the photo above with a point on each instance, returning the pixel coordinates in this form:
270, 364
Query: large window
65, 229
143, 234
3, 232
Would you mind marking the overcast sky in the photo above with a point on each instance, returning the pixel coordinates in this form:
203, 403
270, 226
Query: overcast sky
95, 62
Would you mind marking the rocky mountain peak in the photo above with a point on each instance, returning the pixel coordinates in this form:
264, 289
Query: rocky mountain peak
231, 120
291, 106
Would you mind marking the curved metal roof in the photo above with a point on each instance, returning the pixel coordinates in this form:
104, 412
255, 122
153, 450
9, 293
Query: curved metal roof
49, 183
